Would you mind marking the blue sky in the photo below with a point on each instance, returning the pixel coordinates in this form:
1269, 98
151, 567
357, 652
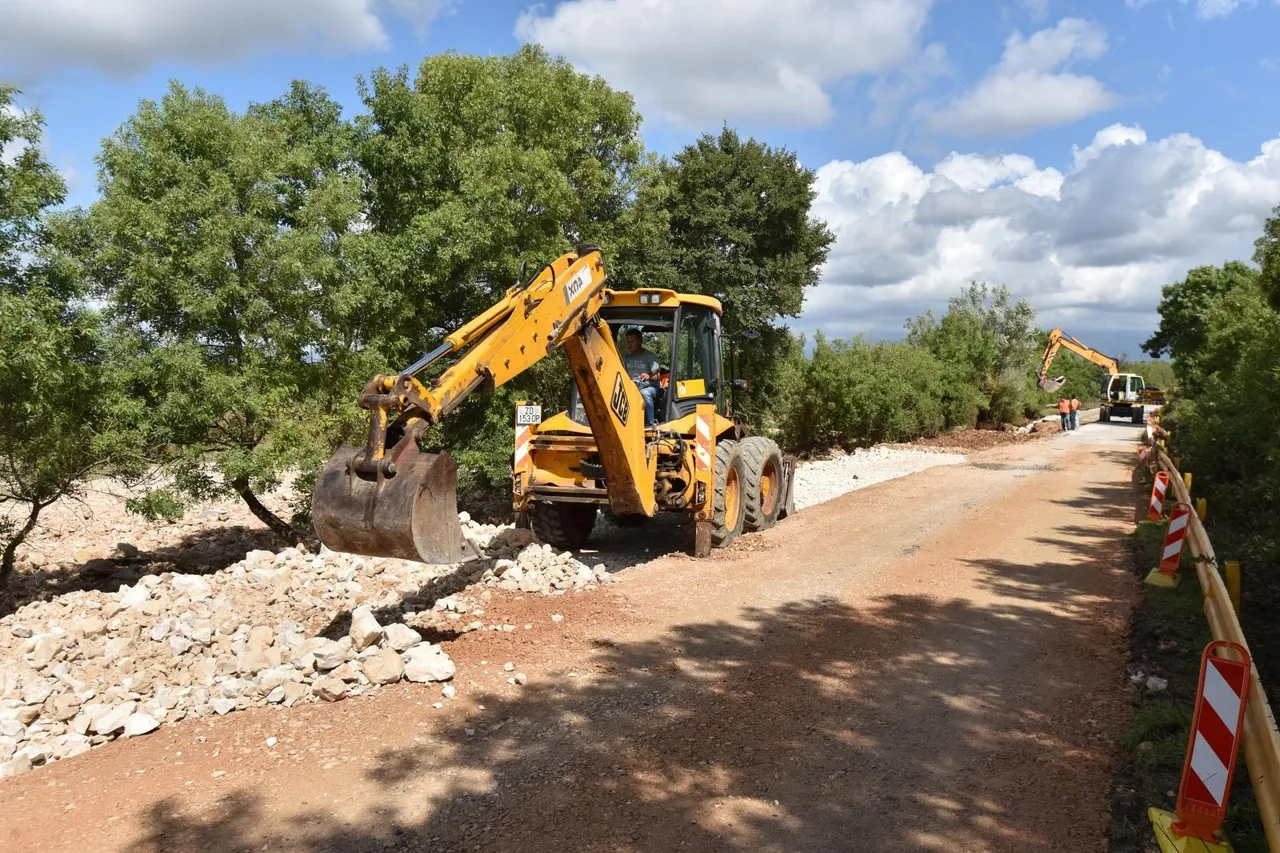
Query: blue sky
953, 140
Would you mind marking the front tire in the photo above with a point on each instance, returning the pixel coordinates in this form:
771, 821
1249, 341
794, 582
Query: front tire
730, 478
762, 491
563, 525
1104, 415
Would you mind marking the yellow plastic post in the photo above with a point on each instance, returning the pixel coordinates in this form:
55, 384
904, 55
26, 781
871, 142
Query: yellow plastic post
1162, 823
1177, 462
1202, 506
1231, 572
1186, 478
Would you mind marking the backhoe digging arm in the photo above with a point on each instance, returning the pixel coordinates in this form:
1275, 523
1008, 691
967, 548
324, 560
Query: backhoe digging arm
1057, 340
391, 499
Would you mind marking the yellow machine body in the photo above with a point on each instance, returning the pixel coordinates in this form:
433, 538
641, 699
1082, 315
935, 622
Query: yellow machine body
389, 498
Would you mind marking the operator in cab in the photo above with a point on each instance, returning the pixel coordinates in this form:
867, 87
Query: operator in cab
642, 367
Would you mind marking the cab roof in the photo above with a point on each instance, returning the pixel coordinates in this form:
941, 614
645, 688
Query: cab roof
659, 297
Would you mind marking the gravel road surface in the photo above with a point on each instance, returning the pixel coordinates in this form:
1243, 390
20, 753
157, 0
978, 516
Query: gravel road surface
935, 662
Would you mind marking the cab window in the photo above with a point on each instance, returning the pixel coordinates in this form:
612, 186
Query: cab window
697, 360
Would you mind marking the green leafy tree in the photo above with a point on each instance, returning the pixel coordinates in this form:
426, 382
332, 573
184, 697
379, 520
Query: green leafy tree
1228, 426
741, 231
854, 393
987, 342
62, 420
1156, 374
1184, 305
479, 165
480, 170
232, 253
1267, 256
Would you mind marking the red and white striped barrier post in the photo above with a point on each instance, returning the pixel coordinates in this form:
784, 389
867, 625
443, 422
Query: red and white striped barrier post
1212, 749
1166, 574
1159, 489
1143, 453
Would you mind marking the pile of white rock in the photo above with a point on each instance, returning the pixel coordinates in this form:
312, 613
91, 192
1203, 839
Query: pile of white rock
517, 562
167, 649
87, 667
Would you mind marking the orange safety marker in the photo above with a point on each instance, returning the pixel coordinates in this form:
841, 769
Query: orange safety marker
523, 433
1159, 489
1143, 453
1212, 749
1166, 574
702, 446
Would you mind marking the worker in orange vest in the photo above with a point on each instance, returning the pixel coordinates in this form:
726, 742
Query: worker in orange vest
1075, 412
1064, 413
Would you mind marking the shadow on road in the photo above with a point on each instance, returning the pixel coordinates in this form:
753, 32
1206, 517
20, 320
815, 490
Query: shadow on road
911, 724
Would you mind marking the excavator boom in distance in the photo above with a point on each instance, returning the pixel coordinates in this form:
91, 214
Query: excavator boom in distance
1123, 394
392, 498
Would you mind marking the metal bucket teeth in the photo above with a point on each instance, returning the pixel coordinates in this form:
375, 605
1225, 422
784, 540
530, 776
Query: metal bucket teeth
412, 515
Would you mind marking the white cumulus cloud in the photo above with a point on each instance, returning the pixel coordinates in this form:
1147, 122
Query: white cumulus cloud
697, 63
1031, 88
124, 37
1206, 10
1090, 248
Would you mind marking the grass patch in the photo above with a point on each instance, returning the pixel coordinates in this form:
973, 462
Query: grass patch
1168, 635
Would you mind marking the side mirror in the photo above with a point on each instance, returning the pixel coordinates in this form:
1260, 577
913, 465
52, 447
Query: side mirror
739, 384
747, 334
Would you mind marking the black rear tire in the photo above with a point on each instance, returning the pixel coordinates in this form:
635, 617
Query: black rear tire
563, 525
762, 490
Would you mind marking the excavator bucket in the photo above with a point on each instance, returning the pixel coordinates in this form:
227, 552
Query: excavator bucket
1048, 384
411, 513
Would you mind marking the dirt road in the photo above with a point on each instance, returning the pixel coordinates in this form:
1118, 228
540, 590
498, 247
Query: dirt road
932, 663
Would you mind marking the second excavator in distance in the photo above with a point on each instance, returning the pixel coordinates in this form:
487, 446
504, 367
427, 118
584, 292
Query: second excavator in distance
1123, 394
392, 498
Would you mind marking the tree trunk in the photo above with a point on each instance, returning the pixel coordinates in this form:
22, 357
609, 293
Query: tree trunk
11, 549
266, 516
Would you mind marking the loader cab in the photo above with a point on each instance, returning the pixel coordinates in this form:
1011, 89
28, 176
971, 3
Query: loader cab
1123, 387
685, 338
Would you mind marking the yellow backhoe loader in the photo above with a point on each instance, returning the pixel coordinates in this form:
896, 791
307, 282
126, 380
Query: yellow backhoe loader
390, 498
1123, 394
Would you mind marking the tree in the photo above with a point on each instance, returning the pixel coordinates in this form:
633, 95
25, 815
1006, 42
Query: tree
480, 167
853, 393
741, 231
1156, 374
481, 164
61, 421
1228, 425
231, 252
1183, 308
986, 351
1267, 256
